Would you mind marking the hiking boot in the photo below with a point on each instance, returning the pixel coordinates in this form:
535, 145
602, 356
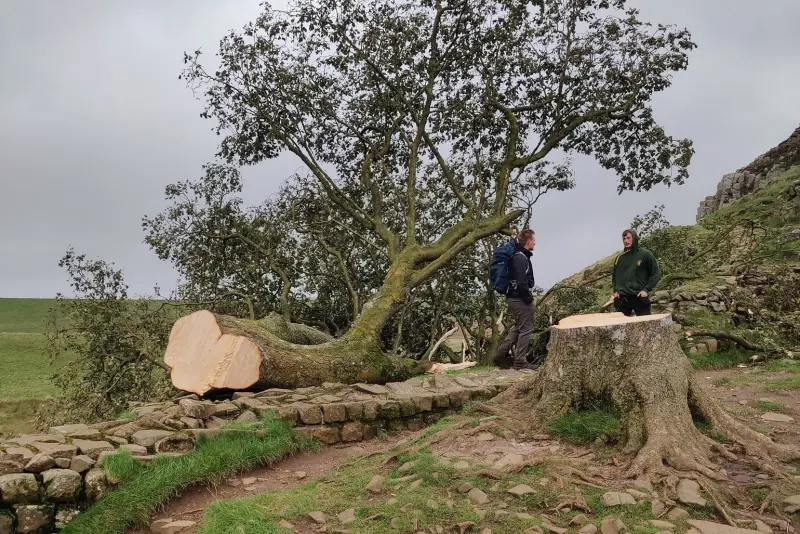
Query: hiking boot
526, 367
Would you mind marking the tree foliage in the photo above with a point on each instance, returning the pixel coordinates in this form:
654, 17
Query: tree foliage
115, 344
404, 111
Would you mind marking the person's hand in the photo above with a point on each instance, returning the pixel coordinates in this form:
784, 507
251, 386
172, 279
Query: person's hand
642, 294
616, 295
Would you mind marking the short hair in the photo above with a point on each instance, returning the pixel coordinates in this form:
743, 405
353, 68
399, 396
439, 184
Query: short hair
629, 231
525, 236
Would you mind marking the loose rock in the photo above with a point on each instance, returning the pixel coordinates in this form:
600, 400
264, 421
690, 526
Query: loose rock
374, 485
611, 525
478, 496
520, 490
617, 498
318, 517
777, 417
689, 493
346, 517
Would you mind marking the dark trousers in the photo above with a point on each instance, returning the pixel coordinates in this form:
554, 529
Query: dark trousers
632, 304
519, 336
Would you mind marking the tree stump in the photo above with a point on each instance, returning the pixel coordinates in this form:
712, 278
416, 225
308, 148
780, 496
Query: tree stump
636, 365
207, 352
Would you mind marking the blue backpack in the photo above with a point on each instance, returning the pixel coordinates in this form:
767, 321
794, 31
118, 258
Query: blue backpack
498, 270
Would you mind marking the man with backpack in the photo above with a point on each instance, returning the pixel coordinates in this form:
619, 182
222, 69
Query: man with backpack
511, 275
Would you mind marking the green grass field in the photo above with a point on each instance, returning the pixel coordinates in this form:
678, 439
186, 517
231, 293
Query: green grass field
26, 369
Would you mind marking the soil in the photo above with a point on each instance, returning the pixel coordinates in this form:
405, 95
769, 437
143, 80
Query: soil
283, 475
486, 445
743, 400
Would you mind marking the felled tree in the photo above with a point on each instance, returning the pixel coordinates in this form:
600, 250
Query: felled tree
470, 98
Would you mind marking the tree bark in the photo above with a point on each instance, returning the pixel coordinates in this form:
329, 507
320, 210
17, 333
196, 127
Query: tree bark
207, 352
636, 365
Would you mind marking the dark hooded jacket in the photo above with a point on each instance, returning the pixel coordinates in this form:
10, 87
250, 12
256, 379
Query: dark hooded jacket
520, 274
635, 270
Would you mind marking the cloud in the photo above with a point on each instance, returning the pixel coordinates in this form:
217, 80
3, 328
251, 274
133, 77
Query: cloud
96, 123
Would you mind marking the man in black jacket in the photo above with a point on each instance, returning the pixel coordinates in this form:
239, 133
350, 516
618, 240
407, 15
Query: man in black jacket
520, 301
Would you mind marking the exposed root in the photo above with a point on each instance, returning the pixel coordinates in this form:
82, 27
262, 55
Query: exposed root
637, 366
712, 492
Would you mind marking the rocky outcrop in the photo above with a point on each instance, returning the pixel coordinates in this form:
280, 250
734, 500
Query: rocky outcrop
735, 185
45, 480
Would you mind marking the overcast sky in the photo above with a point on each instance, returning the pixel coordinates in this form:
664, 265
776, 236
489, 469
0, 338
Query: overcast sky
94, 123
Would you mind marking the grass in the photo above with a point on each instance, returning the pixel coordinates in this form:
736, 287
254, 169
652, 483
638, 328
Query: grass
769, 406
433, 504
585, 426
146, 488
787, 371
720, 360
471, 370
25, 316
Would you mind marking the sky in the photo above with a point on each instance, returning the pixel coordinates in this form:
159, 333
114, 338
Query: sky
94, 123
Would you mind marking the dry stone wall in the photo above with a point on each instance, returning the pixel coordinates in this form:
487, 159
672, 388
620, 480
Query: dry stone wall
47, 480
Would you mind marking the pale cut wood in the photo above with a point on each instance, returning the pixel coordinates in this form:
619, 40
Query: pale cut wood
604, 319
202, 358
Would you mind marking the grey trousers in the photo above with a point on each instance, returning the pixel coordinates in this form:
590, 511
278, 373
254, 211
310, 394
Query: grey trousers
520, 334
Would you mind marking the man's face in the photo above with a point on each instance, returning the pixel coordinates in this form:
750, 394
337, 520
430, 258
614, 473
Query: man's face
532, 243
627, 240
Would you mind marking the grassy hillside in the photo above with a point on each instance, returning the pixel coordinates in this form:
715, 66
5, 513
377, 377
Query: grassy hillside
738, 270
23, 360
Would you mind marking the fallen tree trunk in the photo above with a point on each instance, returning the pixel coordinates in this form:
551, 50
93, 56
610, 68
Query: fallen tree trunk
636, 365
208, 352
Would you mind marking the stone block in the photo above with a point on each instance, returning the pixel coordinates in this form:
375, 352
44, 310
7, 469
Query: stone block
224, 409
371, 409
334, 413
197, 409
82, 463
374, 389
40, 462
95, 484
61, 485
289, 414
424, 402
441, 400
34, 518
326, 434
6, 523
352, 431
92, 449
355, 410
388, 409
55, 450
66, 515
370, 431
407, 407
148, 438
458, 397
309, 414
20, 488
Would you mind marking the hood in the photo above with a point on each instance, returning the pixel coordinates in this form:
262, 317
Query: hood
635, 236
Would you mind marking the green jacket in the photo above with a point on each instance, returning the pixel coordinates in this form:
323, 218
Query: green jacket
635, 270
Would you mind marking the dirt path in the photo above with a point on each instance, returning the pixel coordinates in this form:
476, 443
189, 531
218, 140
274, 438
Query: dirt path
286, 474
746, 392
